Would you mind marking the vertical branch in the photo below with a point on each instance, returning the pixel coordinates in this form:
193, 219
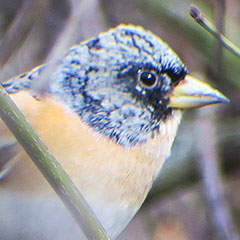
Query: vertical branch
220, 19
67, 37
92, 20
212, 182
20, 27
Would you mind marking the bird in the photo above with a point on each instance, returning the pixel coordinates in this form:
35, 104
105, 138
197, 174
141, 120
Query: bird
109, 116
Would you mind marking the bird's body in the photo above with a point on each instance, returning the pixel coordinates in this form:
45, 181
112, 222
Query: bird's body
115, 187
106, 118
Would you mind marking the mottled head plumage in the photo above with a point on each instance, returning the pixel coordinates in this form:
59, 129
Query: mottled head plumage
100, 79
118, 82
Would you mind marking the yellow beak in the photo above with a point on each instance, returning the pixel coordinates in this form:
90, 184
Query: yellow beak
192, 93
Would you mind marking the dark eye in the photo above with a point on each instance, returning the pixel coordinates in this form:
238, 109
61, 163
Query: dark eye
148, 79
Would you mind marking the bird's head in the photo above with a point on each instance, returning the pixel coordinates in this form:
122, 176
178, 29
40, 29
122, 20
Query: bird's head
126, 82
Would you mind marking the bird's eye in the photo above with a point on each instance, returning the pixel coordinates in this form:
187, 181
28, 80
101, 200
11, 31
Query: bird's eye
148, 79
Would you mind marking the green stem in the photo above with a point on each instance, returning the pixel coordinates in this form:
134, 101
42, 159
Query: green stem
209, 27
50, 168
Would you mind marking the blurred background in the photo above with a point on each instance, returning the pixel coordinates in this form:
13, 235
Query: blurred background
197, 193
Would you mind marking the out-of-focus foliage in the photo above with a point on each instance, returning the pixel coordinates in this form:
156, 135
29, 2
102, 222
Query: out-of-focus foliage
176, 208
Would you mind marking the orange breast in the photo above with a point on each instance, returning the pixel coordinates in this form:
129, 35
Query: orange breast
97, 165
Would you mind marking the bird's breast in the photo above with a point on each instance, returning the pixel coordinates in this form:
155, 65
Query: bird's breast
104, 171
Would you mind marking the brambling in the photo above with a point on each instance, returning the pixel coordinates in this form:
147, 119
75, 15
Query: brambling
110, 117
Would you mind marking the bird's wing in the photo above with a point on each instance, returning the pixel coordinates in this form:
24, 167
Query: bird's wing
8, 144
22, 81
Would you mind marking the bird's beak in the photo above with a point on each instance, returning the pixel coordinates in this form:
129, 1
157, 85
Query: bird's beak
192, 93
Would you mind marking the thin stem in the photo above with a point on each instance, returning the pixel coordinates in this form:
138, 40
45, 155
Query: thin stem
50, 168
209, 27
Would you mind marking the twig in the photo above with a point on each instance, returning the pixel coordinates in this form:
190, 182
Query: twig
50, 168
208, 26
